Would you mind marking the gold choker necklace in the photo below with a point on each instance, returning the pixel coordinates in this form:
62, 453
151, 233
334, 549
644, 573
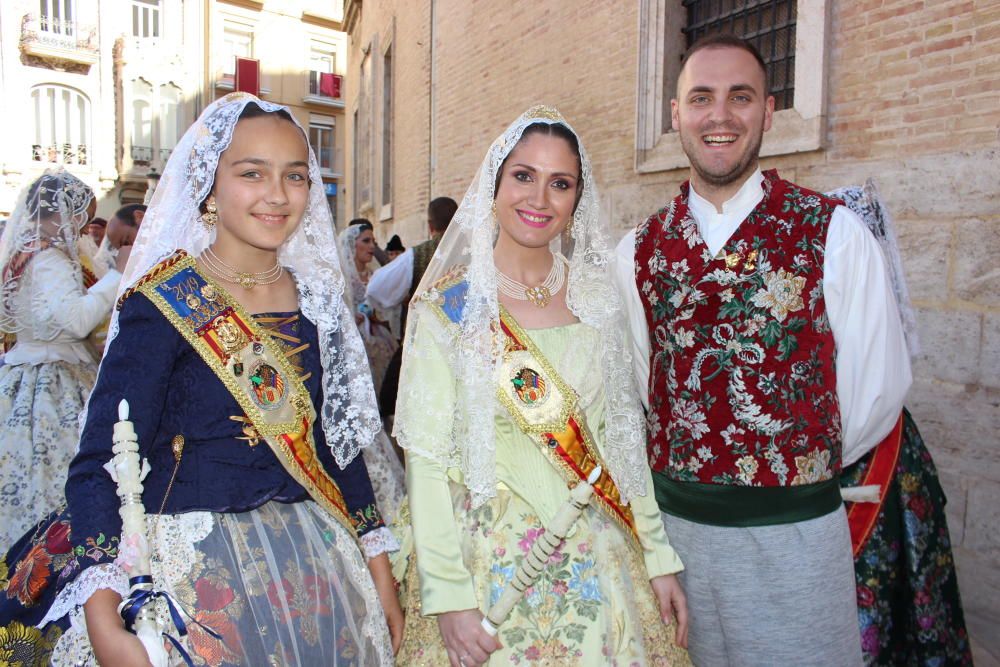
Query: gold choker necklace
539, 295
234, 276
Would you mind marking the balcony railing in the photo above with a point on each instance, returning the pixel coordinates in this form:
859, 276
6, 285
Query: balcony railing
165, 154
58, 39
60, 153
142, 154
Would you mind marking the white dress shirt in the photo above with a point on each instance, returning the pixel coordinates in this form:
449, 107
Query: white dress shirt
390, 285
873, 365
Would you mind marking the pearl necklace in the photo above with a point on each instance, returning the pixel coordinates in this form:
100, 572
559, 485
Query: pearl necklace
244, 279
539, 295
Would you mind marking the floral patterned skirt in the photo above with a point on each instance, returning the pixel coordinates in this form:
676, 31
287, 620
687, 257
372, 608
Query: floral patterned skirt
380, 345
592, 605
40, 409
908, 602
283, 584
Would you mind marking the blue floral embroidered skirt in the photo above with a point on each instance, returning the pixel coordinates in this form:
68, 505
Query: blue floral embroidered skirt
283, 584
40, 407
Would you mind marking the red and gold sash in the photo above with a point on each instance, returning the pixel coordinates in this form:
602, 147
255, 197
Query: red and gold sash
861, 517
546, 407
251, 365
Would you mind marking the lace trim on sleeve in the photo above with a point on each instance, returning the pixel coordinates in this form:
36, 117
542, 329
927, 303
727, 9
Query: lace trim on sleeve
78, 591
379, 541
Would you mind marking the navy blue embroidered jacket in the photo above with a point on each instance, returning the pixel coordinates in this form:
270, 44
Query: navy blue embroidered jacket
171, 392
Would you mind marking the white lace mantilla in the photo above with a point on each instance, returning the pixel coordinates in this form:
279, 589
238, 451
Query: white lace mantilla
374, 627
349, 414
472, 351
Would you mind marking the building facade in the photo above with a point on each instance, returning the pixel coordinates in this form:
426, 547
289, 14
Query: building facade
108, 87
905, 92
55, 78
389, 95
104, 88
302, 54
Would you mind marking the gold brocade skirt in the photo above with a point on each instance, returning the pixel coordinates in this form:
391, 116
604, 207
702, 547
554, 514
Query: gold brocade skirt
592, 605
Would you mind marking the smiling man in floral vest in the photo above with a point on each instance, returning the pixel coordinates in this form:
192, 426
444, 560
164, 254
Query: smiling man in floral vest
767, 335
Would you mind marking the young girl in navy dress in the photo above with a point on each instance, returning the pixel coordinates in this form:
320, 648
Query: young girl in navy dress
251, 398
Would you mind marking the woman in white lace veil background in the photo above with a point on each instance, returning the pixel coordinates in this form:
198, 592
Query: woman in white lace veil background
357, 244
49, 371
266, 532
513, 365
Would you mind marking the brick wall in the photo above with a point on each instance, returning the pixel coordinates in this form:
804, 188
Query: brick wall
913, 101
407, 24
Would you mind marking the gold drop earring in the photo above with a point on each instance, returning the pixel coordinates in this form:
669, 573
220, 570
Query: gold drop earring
210, 216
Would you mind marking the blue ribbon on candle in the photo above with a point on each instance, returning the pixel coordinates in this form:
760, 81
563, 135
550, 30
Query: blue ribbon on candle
140, 597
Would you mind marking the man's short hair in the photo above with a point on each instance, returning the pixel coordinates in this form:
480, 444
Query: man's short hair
127, 214
725, 40
395, 244
440, 212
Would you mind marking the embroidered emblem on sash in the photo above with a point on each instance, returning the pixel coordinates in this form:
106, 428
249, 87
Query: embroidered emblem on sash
276, 402
529, 387
539, 402
268, 387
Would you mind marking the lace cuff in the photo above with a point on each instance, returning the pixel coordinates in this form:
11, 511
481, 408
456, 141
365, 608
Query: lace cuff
78, 591
378, 541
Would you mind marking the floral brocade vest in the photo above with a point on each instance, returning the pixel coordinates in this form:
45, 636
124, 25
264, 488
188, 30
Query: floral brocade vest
742, 381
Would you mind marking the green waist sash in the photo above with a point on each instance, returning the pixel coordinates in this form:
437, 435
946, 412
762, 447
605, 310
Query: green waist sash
745, 506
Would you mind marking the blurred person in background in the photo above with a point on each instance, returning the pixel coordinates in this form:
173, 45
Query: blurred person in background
49, 370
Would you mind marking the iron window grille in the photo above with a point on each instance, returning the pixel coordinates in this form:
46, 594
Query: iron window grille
767, 24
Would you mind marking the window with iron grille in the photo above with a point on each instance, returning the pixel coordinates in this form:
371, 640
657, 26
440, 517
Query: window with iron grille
767, 24
387, 74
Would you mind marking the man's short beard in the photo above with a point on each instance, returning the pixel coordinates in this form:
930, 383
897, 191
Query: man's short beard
738, 173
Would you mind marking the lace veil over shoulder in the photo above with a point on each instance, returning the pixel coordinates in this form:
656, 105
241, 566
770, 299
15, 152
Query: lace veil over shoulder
473, 352
50, 212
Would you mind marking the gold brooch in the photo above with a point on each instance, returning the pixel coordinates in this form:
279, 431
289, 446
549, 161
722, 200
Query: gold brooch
230, 336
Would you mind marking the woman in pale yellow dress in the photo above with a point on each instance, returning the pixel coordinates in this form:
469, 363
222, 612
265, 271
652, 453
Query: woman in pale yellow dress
515, 385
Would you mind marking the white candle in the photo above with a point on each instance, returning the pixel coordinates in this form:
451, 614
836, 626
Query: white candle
128, 473
544, 546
